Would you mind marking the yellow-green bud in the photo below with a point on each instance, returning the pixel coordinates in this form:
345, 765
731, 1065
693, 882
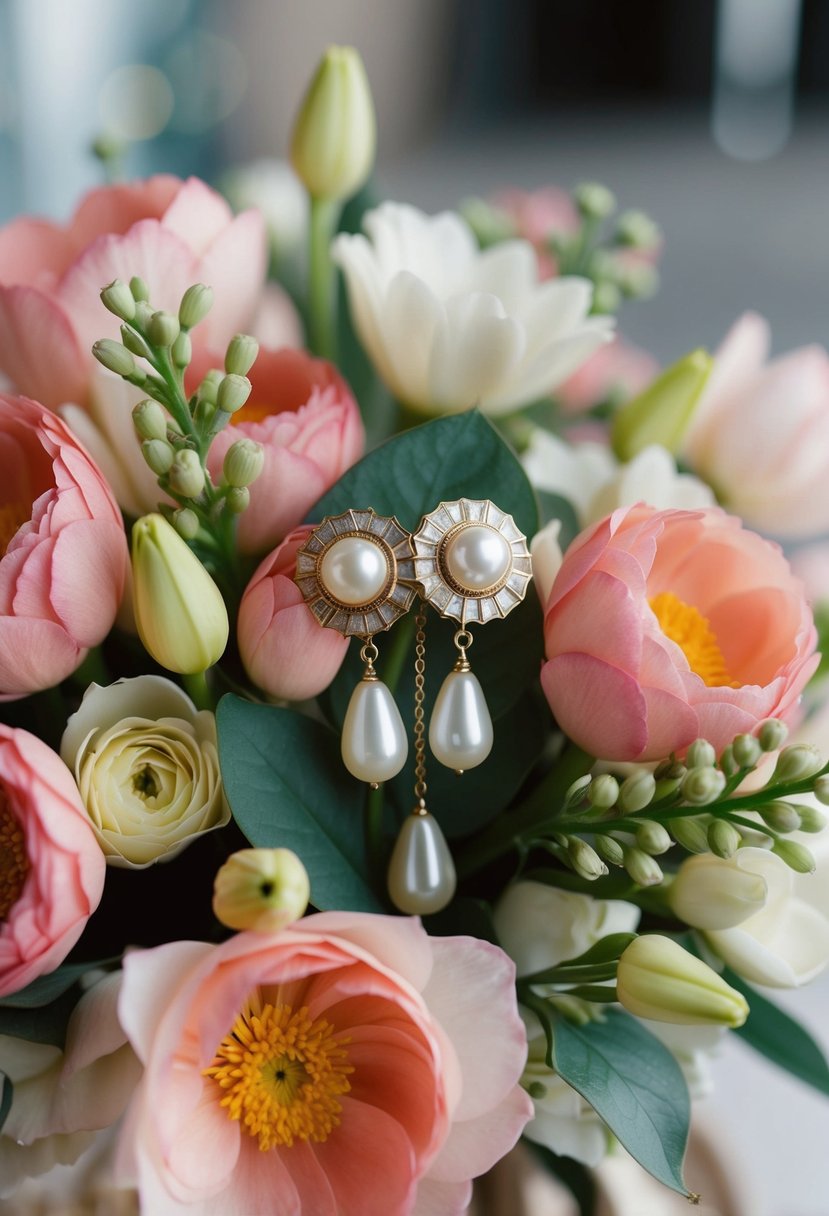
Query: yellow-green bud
594, 200
702, 785
606, 297
118, 299
637, 230
115, 357
661, 413
186, 523
584, 859
243, 462
232, 393
237, 499
812, 819
652, 838
691, 834
746, 750
780, 816
723, 838
182, 350
636, 792
796, 856
139, 289
143, 312
727, 762
187, 474
609, 849
772, 734
241, 354
163, 328
209, 387
641, 867
334, 135
701, 754
261, 890
603, 791
150, 420
657, 979
179, 611
821, 790
158, 455
797, 762
134, 343
669, 770
195, 305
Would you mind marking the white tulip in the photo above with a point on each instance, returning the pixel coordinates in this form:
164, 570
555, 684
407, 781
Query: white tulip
448, 326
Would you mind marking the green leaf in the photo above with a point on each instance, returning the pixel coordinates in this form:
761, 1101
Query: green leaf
287, 787
6, 1097
780, 1038
606, 950
633, 1083
48, 988
555, 506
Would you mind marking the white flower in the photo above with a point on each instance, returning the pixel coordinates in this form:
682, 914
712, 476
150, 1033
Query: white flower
547, 558
147, 769
448, 327
693, 1048
590, 477
541, 926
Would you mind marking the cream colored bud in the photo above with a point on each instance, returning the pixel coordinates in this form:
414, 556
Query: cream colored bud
186, 523
701, 754
718, 893
642, 868
702, 785
780, 816
232, 393
657, 979
796, 856
334, 135
636, 792
603, 791
261, 890
158, 455
584, 859
179, 611
118, 299
653, 838
746, 750
691, 834
150, 420
243, 462
797, 762
723, 838
237, 499
114, 356
182, 350
241, 354
163, 328
186, 474
772, 735
195, 305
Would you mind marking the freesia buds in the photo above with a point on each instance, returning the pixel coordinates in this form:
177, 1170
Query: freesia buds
261, 889
179, 611
332, 148
658, 979
662, 412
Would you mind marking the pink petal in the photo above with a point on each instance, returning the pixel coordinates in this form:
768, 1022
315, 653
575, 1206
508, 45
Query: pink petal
600, 707
369, 1162
400, 943
33, 252
87, 578
206, 1148
580, 622
235, 266
116, 208
33, 655
442, 1198
475, 1145
310, 1180
197, 215
151, 979
39, 349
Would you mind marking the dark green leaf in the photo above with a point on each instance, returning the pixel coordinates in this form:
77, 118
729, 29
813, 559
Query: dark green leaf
44, 1024
780, 1038
604, 951
287, 787
576, 1177
467, 917
48, 988
6, 1098
553, 506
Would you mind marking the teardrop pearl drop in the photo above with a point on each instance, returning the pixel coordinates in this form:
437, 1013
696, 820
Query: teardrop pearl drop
460, 732
374, 744
421, 874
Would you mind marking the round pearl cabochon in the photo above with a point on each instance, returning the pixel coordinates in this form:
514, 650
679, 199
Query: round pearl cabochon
354, 570
477, 557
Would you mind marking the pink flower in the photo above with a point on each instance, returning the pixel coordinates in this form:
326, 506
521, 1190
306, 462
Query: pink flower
375, 1065
760, 434
663, 626
283, 647
63, 552
170, 233
53, 868
539, 215
302, 412
616, 371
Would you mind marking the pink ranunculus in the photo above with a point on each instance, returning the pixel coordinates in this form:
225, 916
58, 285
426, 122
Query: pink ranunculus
665, 626
53, 867
63, 552
169, 232
616, 371
302, 412
376, 1066
283, 647
760, 433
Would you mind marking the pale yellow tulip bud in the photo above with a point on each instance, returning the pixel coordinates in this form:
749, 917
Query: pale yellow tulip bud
262, 890
661, 413
657, 979
334, 136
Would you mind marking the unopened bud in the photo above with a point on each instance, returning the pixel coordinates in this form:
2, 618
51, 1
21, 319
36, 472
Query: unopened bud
187, 474
796, 856
134, 343
821, 790
241, 354
334, 135
812, 819
780, 816
636, 792
797, 762
118, 299
658, 979
114, 356
702, 785
143, 312
723, 838
607, 297
637, 230
772, 735
669, 770
585, 860
163, 328
662, 412
186, 523
150, 420
727, 762
261, 890
182, 350
691, 834
139, 289
701, 754
576, 792
653, 838
158, 455
642, 868
232, 393
243, 462
746, 750
594, 200
209, 387
609, 849
195, 305
237, 499
603, 791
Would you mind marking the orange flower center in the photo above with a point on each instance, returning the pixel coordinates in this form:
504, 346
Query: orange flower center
282, 1075
14, 863
685, 625
12, 515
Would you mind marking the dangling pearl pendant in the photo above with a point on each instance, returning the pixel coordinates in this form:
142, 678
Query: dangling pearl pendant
374, 744
421, 875
460, 731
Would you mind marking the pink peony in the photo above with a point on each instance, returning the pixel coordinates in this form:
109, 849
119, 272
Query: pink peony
52, 871
170, 233
302, 412
283, 648
760, 434
63, 552
615, 372
349, 1064
663, 626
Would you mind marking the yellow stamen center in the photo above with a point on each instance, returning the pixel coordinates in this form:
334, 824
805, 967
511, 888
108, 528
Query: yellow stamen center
282, 1074
14, 863
685, 625
12, 515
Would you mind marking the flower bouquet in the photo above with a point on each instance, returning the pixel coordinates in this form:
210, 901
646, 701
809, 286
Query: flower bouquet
393, 748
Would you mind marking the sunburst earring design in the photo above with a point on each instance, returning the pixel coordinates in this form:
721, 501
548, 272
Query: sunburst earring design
356, 573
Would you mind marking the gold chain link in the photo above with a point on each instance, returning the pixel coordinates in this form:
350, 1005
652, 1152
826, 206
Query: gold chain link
419, 697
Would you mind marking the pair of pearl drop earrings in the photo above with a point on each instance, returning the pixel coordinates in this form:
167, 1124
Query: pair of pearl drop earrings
359, 573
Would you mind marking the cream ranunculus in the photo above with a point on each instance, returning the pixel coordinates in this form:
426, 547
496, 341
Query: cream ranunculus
448, 326
147, 768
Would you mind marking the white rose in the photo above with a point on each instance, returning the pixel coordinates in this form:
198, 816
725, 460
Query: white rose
147, 767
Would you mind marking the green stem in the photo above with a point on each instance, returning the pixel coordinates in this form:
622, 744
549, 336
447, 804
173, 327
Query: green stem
198, 690
322, 294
